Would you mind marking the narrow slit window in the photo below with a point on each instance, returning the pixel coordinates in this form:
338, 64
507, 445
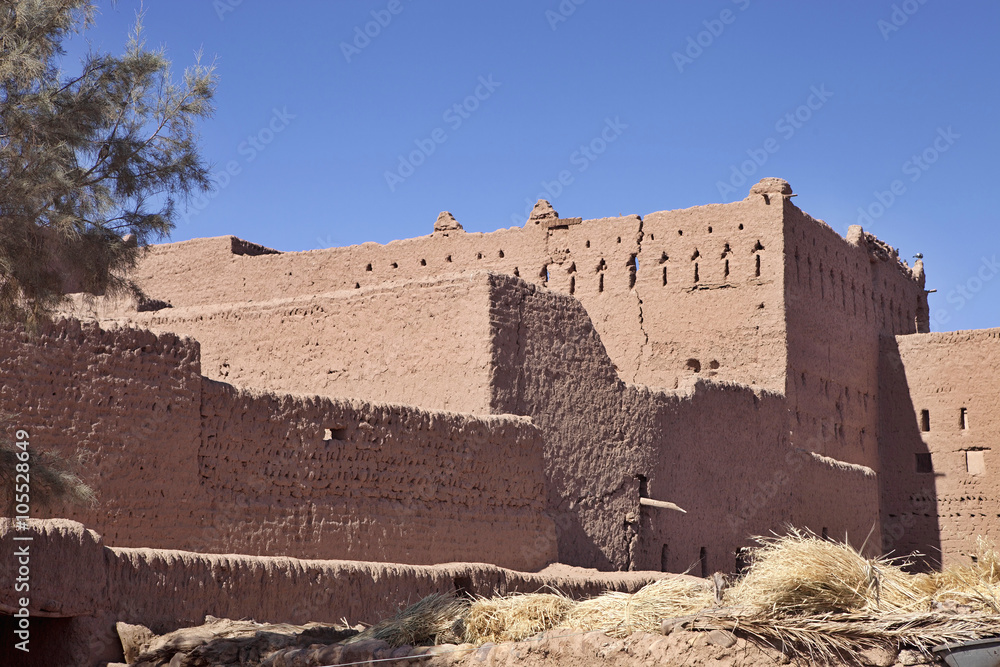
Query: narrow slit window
703, 560
963, 419
664, 275
726, 272
696, 271
925, 420
757, 269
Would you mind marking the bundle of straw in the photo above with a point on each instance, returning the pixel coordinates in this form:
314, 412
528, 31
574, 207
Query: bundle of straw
436, 619
621, 614
977, 585
830, 636
799, 573
515, 617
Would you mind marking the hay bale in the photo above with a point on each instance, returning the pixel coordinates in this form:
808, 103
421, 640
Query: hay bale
800, 573
621, 614
436, 619
514, 617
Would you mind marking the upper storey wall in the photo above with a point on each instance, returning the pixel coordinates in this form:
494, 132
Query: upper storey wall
841, 296
412, 342
710, 285
723, 325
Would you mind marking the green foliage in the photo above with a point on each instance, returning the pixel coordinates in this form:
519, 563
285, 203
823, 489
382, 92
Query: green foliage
92, 166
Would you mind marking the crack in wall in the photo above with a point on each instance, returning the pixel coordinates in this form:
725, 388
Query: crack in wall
642, 328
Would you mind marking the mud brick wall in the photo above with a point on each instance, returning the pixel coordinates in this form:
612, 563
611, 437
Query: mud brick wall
941, 437
319, 478
122, 407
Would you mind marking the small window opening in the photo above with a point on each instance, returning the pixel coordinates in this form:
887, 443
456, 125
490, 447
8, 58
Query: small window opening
643, 486
600, 283
757, 266
925, 420
334, 434
741, 226
572, 285
963, 419
709, 230
726, 272
368, 268
924, 463
479, 255
696, 278
423, 262
588, 244
703, 560
664, 275
680, 232
500, 254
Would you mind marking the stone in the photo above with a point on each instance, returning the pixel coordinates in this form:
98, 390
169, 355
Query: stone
721, 638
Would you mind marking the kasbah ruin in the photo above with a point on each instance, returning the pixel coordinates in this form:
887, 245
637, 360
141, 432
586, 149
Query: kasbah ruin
326, 435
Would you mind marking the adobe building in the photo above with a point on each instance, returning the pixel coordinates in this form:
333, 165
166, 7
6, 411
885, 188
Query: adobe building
525, 396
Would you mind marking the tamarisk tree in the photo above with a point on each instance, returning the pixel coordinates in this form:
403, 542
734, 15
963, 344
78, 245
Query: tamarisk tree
93, 164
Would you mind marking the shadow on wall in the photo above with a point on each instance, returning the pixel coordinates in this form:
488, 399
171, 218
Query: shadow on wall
909, 510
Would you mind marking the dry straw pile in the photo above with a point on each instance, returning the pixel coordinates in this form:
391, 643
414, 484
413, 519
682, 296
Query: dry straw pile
803, 594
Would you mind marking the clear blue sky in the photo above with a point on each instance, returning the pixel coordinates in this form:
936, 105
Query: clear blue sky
683, 93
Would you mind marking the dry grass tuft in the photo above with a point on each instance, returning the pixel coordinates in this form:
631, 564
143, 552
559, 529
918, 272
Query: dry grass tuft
800, 573
515, 617
621, 614
977, 585
51, 481
436, 619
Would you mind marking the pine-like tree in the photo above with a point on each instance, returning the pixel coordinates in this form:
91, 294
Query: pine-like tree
93, 164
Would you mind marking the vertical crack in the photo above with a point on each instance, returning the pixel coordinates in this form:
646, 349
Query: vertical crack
642, 328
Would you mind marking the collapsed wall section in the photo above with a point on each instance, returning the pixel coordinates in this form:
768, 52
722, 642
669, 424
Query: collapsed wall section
320, 478
940, 417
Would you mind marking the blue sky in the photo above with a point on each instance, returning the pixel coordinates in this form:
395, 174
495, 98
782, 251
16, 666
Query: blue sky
325, 135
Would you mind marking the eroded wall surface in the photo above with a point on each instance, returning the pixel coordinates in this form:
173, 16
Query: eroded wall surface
720, 451
318, 478
124, 406
182, 462
940, 485
168, 589
841, 296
